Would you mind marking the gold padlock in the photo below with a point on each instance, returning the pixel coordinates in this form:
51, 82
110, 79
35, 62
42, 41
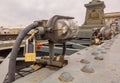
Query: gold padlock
30, 57
30, 54
96, 41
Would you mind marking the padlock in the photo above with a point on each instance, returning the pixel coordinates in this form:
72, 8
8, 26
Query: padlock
96, 41
29, 51
39, 46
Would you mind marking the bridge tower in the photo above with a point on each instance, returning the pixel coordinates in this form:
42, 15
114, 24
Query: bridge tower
94, 14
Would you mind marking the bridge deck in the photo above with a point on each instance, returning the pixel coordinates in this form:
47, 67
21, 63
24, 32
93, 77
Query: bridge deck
106, 71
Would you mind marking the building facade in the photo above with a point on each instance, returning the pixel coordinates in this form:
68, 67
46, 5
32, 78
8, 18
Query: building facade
10, 31
112, 17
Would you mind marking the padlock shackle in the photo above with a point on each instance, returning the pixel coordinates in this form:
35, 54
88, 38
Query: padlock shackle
34, 43
15, 49
27, 44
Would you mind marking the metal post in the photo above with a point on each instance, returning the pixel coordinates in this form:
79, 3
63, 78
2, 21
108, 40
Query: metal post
64, 49
51, 51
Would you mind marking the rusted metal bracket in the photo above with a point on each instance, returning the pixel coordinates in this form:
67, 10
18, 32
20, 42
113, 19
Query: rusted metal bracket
57, 61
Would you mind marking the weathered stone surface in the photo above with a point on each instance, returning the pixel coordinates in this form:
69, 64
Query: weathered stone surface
87, 69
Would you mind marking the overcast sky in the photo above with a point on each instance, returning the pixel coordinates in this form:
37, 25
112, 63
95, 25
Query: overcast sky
23, 12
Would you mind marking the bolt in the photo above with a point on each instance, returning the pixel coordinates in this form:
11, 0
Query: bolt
84, 61
87, 69
65, 77
99, 57
79, 53
95, 53
103, 52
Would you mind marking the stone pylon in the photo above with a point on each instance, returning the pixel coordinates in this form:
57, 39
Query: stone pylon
94, 14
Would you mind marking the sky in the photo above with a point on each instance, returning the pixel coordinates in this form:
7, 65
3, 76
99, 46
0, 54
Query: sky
18, 13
